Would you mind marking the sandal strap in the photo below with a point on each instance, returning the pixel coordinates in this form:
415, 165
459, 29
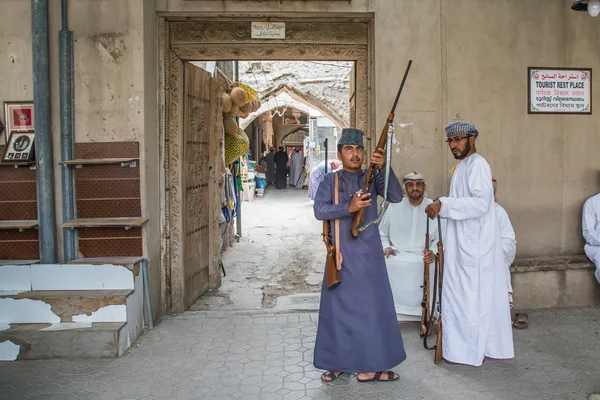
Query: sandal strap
331, 375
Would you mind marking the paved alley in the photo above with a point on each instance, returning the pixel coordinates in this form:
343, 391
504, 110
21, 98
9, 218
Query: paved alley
280, 253
234, 344
208, 356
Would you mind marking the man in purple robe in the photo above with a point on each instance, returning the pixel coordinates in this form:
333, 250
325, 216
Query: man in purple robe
357, 330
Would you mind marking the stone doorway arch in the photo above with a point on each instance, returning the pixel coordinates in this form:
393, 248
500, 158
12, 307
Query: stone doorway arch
296, 137
299, 99
228, 37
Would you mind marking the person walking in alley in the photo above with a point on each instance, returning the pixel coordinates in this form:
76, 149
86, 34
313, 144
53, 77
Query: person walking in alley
295, 166
281, 159
357, 330
269, 158
475, 307
317, 174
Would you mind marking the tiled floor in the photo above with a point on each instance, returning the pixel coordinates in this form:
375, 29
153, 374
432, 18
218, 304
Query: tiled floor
264, 355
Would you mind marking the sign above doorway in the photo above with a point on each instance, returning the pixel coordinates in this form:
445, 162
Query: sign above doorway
268, 30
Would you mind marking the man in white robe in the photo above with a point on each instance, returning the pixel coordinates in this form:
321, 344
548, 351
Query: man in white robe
296, 159
509, 250
475, 307
509, 243
402, 231
318, 173
591, 231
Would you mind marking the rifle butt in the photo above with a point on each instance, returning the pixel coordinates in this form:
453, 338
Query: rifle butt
332, 274
424, 318
333, 279
438, 357
356, 221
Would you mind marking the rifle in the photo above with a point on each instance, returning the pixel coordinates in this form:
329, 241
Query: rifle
357, 220
438, 357
437, 286
426, 288
333, 264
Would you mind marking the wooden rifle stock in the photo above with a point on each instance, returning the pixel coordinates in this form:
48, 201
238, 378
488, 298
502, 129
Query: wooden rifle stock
333, 264
426, 288
331, 272
438, 344
357, 220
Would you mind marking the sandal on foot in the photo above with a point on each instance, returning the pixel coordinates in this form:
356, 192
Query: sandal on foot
331, 375
521, 321
391, 376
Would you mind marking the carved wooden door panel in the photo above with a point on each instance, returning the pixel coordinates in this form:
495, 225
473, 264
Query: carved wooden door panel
197, 127
352, 96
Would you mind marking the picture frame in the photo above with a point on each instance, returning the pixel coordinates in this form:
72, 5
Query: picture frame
555, 90
20, 147
291, 116
18, 117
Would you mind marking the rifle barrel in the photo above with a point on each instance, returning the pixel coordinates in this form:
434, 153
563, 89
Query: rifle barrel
401, 86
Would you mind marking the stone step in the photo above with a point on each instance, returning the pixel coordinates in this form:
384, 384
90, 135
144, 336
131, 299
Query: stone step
77, 302
566, 281
63, 340
65, 277
52, 306
131, 263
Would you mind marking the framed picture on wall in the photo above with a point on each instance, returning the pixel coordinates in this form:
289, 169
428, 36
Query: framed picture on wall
291, 116
20, 147
18, 117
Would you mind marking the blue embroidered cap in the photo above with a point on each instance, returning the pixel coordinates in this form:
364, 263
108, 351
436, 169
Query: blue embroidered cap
461, 128
351, 136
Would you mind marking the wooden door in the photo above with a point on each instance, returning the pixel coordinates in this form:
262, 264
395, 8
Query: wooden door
352, 97
197, 127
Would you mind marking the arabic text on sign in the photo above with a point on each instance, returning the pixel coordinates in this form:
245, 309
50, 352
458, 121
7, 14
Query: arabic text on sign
268, 30
560, 91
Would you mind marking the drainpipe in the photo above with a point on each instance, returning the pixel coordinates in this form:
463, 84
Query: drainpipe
65, 64
238, 216
43, 133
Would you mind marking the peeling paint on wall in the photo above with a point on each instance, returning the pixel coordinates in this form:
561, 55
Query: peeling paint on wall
111, 44
9, 351
26, 311
134, 101
113, 313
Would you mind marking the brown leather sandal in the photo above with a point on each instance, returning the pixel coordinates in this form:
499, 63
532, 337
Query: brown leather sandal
391, 376
521, 321
331, 375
